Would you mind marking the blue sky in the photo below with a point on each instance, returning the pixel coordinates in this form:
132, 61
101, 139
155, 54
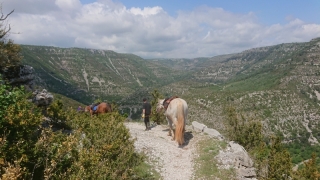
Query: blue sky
269, 12
163, 28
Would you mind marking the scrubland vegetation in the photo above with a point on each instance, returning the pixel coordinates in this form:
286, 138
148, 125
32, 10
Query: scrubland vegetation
272, 159
71, 146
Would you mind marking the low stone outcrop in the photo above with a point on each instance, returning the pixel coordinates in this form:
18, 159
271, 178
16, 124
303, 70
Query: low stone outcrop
20, 75
23, 75
213, 133
42, 98
234, 156
198, 127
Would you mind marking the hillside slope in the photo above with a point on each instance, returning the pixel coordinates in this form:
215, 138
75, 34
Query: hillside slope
86, 74
278, 85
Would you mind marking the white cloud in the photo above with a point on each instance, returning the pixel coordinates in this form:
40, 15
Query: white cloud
68, 5
147, 11
148, 32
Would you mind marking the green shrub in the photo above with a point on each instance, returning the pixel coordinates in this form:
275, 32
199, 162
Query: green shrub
107, 150
310, 170
272, 160
159, 118
279, 161
90, 148
248, 133
19, 123
58, 115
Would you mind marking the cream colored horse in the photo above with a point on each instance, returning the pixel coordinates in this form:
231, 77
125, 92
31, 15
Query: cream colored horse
176, 115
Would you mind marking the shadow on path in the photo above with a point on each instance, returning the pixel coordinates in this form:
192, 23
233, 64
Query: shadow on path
187, 137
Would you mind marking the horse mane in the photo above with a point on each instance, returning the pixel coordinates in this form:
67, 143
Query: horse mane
179, 132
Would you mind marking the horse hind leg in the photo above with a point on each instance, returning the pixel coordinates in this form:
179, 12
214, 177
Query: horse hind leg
169, 132
173, 129
174, 135
170, 126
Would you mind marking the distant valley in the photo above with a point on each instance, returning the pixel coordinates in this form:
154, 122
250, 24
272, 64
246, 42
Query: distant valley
278, 85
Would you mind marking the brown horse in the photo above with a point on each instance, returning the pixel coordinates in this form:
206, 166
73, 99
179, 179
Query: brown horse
102, 108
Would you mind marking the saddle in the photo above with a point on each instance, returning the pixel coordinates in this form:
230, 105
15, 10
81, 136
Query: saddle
94, 107
167, 101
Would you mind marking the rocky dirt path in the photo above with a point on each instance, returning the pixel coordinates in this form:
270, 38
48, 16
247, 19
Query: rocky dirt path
170, 160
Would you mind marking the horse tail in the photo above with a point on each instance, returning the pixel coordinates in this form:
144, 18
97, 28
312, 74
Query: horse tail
179, 132
107, 108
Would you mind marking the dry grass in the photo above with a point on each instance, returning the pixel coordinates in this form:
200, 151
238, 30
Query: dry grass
206, 166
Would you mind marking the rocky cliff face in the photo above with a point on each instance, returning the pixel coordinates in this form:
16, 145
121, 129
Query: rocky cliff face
22, 75
94, 73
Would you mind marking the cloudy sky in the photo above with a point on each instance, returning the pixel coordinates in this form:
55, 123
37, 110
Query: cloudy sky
163, 28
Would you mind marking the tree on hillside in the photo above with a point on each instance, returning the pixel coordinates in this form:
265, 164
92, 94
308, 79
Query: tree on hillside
9, 52
245, 131
279, 161
272, 160
156, 117
310, 170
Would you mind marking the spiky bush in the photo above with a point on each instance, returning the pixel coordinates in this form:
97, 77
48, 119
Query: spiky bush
19, 123
91, 148
106, 149
245, 131
272, 160
309, 170
96, 148
159, 118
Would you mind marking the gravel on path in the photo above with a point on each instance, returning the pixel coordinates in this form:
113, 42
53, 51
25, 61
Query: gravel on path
170, 160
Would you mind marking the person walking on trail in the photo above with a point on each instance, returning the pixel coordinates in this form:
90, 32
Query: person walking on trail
146, 111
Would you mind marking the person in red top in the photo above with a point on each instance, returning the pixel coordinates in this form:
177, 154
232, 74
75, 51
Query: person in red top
146, 111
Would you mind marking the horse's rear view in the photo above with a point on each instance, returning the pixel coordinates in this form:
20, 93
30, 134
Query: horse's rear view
176, 114
104, 108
